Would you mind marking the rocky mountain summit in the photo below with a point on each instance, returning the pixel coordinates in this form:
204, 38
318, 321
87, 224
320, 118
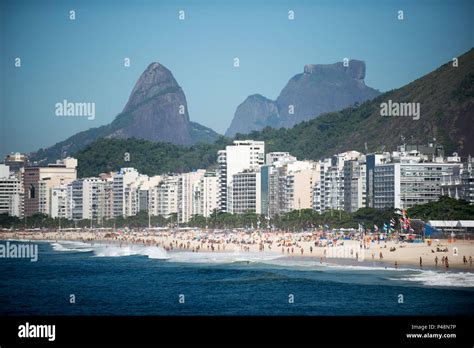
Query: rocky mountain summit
319, 89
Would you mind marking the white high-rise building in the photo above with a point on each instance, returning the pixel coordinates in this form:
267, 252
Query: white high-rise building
121, 191
403, 185
163, 197
93, 198
186, 185
290, 185
206, 194
59, 202
460, 184
245, 192
11, 193
242, 155
134, 199
88, 198
329, 191
411, 176
371, 161
355, 176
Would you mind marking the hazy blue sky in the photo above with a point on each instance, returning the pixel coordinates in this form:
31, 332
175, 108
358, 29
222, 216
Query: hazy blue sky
82, 60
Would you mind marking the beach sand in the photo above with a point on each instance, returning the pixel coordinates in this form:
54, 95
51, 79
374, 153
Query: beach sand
280, 243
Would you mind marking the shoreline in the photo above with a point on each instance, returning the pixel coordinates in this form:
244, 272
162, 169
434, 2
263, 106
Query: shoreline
290, 245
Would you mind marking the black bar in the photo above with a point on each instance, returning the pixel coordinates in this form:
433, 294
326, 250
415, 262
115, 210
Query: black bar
241, 330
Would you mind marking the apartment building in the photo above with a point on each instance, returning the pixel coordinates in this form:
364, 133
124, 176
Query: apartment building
11, 193
163, 197
290, 185
460, 184
245, 192
39, 181
403, 185
355, 192
328, 192
206, 194
242, 155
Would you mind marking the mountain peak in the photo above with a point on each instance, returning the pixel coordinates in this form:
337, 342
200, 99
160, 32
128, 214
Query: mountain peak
355, 69
320, 88
154, 65
155, 80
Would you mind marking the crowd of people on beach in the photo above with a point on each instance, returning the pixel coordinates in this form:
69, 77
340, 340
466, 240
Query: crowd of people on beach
290, 244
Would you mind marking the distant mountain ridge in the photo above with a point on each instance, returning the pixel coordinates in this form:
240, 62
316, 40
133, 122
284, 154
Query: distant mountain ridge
446, 97
156, 111
320, 88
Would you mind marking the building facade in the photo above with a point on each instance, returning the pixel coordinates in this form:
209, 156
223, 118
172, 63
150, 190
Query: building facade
404, 185
355, 193
460, 184
122, 196
164, 196
242, 155
39, 181
290, 185
206, 194
329, 190
245, 192
11, 193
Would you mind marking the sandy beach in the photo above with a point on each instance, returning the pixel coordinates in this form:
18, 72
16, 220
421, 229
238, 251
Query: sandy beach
391, 253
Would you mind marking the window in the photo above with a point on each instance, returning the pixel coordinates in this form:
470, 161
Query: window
31, 192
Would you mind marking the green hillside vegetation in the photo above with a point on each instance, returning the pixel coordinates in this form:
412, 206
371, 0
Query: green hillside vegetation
202, 135
80, 141
106, 155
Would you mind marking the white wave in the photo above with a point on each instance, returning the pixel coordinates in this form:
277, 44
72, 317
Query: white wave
379, 267
107, 250
221, 257
450, 279
110, 250
315, 263
71, 246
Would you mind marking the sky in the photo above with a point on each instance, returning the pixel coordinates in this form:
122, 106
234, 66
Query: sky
82, 60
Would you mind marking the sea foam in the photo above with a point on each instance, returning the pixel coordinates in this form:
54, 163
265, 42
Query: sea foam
71, 246
222, 257
444, 279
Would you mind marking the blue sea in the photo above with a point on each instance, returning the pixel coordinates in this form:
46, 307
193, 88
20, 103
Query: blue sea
107, 279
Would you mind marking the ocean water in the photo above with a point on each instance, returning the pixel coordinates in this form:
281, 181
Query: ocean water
137, 280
